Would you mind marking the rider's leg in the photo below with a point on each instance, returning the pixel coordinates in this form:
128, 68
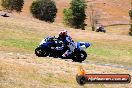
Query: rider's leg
69, 51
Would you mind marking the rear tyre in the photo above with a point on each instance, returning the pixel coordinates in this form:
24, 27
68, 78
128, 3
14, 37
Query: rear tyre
40, 52
80, 56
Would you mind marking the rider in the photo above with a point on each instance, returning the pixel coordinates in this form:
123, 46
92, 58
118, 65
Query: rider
100, 28
67, 40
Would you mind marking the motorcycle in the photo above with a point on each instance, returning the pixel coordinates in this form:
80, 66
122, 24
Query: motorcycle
100, 30
53, 47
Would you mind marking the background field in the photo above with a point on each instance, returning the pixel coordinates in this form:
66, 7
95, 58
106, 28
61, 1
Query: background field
20, 34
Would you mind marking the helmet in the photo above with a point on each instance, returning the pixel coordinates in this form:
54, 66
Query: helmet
101, 25
62, 34
97, 28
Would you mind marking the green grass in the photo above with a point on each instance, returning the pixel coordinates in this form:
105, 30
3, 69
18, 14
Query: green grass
20, 35
29, 45
110, 52
102, 52
13, 35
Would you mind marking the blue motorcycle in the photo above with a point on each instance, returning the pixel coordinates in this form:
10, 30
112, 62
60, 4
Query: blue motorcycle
53, 47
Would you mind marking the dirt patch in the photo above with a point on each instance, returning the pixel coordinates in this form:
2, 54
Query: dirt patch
46, 72
111, 11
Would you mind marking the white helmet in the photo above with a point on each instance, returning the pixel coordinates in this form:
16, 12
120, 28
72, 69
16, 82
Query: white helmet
63, 33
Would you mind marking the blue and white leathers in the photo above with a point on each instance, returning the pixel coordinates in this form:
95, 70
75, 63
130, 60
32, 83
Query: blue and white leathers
71, 45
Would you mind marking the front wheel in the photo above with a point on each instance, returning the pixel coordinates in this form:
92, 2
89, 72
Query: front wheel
97, 30
80, 56
40, 52
104, 31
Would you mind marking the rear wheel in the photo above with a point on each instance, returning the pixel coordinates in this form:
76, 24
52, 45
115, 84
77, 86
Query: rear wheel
40, 52
80, 56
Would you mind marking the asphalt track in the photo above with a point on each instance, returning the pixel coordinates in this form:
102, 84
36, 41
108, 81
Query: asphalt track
110, 65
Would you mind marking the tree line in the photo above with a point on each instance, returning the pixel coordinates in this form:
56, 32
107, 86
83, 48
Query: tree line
46, 10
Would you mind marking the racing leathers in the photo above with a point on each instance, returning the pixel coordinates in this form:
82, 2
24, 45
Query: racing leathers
70, 44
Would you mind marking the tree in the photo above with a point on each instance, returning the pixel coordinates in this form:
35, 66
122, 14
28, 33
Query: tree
11, 5
75, 15
130, 14
94, 18
44, 10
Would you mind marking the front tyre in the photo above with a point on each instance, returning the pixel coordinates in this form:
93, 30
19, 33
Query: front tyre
80, 56
40, 52
97, 30
104, 31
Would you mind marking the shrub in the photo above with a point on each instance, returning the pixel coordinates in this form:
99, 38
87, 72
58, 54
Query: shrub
68, 17
44, 10
11, 5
